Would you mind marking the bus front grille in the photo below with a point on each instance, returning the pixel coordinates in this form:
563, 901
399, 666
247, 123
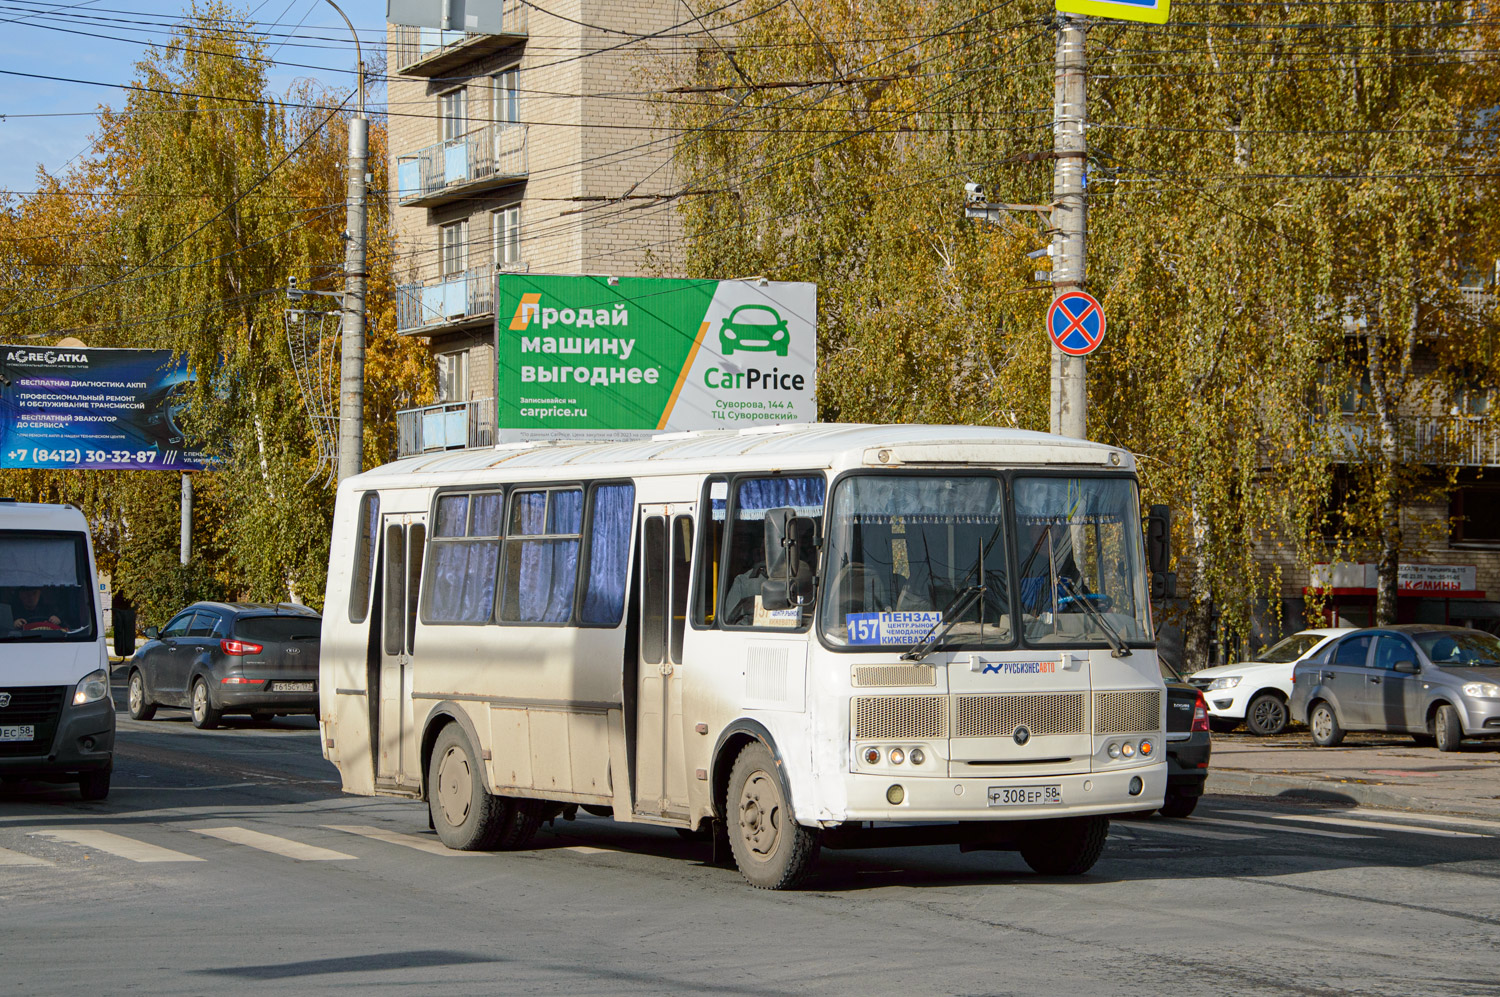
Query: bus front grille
1127, 712
894, 675
903, 718
999, 716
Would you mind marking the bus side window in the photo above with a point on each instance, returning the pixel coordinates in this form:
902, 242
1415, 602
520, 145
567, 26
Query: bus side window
682, 563
364, 556
541, 555
746, 567
613, 510
464, 557
710, 547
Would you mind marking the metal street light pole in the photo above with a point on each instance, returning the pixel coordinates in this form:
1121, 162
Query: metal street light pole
352, 354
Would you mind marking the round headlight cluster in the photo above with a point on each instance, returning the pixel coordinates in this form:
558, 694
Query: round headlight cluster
1128, 749
873, 755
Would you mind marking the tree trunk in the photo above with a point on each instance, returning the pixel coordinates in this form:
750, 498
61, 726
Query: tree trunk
1198, 632
1388, 567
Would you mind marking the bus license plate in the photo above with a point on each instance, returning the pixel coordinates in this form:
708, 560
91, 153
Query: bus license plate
26, 733
1024, 796
294, 687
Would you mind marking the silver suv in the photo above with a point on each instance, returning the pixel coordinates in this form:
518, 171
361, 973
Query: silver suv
1439, 684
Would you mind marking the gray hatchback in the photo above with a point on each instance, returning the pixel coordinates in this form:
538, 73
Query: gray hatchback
1439, 684
229, 657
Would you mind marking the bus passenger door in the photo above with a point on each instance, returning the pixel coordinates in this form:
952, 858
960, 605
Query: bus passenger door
665, 547
397, 759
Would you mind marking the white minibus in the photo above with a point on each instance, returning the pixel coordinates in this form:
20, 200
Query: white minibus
57, 720
789, 638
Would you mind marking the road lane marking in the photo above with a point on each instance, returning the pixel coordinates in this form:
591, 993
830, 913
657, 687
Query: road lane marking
1369, 824
421, 844
284, 847
117, 845
585, 849
1275, 829
1190, 832
1492, 826
8, 857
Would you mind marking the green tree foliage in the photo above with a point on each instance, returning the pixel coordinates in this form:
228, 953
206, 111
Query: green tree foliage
202, 195
1277, 193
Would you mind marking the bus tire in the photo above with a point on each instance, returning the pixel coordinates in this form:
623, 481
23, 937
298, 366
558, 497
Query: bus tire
1067, 846
771, 850
465, 814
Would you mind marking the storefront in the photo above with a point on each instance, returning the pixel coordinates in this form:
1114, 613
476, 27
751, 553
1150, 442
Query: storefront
1425, 593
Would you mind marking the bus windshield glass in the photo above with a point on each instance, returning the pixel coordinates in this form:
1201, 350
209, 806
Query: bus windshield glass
1082, 579
905, 549
45, 594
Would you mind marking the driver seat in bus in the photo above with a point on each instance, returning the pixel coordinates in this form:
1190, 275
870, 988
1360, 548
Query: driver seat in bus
857, 589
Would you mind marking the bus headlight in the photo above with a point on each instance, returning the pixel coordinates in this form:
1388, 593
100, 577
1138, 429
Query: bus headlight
94, 687
897, 756
1127, 750
918, 756
1113, 751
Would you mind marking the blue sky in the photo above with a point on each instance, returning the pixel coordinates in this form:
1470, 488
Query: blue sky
35, 38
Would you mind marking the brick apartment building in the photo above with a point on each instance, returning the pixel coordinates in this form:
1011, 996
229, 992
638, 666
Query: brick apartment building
536, 149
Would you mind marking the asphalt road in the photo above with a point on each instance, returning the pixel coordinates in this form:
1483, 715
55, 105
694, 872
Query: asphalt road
229, 862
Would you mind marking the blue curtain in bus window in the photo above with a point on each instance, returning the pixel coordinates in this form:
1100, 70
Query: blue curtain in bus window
565, 515
461, 581
548, 578
527, 514
759, 494
609, 554
452, 515
489, 509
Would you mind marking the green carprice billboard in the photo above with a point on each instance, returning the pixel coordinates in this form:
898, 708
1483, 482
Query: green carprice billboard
603, 357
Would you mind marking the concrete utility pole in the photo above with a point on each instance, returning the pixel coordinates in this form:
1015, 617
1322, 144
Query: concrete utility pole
1069, 216
185, 553
352, 354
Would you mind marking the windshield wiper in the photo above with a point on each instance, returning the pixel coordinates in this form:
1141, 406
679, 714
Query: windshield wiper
946, 619
1110, 633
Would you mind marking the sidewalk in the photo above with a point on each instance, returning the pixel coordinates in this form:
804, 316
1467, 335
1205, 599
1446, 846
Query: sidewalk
1369, 769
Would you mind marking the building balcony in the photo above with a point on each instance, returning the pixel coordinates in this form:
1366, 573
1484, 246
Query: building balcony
1443, 440
487, 157
454, 300
445, 426
429, 52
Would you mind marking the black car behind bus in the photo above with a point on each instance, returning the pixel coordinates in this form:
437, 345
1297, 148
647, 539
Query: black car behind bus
229, 657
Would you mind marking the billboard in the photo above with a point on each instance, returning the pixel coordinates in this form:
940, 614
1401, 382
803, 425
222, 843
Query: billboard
66, 407
603, 357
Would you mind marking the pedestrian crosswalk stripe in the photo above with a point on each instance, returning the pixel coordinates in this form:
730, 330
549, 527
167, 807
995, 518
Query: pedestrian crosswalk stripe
1489, 825
1279, 830
115, 844
585, 849
421, 844
8, 857
1440, 832
1189, 832
273, 844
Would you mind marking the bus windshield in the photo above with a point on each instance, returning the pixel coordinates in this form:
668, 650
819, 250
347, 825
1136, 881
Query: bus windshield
905, 549
1082, 577
45, 594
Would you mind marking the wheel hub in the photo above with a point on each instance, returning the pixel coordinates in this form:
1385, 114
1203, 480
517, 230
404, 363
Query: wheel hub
455, 786
760, 814
137, 694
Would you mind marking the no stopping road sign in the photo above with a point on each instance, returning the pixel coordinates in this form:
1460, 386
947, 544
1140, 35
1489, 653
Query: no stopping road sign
1076, 323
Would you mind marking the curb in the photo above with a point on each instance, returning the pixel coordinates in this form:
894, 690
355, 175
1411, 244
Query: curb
1237, 782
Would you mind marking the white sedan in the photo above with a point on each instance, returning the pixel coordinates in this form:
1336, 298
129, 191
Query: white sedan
1256, 692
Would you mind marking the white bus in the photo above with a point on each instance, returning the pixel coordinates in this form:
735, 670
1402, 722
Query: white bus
791, 638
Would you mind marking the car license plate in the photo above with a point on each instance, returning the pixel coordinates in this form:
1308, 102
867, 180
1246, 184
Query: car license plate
1024, 796
294, 687
23, 733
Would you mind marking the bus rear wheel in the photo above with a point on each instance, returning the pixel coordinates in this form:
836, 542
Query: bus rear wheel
466, 815
1067, 846
772, 851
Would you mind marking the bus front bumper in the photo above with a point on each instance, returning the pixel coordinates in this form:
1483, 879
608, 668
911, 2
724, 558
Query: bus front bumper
924, 798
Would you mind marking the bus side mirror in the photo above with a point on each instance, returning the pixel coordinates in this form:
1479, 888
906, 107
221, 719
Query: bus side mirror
791, 543
1164, 585
1159, 539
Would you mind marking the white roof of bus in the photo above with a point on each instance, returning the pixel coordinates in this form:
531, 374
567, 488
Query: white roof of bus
41, 516
807, 445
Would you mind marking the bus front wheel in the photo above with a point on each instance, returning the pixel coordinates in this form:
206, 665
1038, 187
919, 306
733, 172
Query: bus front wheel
1068, 846
772, 851
466, 815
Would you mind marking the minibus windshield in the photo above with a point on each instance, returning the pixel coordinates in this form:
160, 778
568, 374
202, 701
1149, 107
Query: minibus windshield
1082, 576
45, 594
903, 549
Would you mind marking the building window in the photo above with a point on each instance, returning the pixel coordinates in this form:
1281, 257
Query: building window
455, 248
506, 92
1475, 514
508, 237
453, 110
453, 376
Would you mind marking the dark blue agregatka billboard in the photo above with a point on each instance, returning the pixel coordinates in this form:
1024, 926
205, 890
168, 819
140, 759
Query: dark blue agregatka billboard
65, 407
